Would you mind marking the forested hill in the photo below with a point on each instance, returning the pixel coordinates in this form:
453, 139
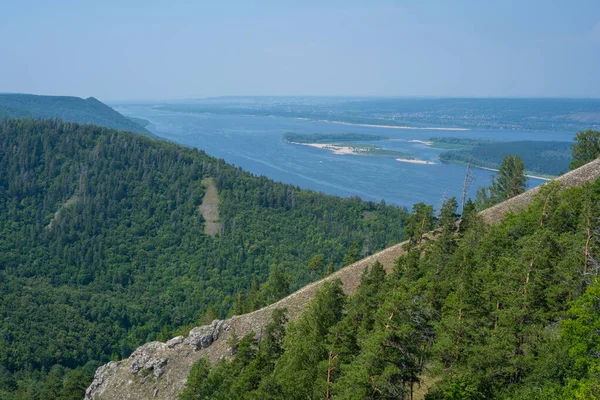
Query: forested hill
506, 311
467, 311
68, 109
102, 247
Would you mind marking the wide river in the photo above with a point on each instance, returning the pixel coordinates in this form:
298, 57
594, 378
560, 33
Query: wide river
255, 143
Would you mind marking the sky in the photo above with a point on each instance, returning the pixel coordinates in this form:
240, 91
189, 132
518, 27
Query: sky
167, 50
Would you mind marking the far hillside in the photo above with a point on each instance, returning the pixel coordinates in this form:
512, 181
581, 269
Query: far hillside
109, 240
68, 109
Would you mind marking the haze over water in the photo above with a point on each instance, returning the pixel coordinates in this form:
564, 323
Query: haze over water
249, 134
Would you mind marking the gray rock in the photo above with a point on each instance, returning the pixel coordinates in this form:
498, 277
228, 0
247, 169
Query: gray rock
157, 366
97, 386
145, 354
203, 336
174, 342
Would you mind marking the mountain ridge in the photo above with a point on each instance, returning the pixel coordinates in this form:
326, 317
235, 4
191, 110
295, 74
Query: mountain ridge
117, 380
68, 109
102, 245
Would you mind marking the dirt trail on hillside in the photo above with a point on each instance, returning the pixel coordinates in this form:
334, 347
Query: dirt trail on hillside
210, 208
116, 380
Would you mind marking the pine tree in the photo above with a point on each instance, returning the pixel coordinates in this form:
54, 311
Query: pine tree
585, 149
352, 256
315, 264
306, 345
510, 180
74, 385
580, 336
421, 221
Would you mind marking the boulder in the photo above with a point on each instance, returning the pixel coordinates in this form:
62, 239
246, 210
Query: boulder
202, 336
175, 341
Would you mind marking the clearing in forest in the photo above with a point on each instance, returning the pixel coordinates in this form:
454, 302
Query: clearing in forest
210, 208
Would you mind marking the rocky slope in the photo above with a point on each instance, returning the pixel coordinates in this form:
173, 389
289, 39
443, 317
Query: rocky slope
159, 370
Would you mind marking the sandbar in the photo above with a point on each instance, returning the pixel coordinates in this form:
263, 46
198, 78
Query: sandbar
334, 148
414, 161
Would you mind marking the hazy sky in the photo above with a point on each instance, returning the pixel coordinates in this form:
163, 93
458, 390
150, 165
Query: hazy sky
118, 50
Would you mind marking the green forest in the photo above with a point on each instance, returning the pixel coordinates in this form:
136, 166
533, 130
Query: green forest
68, 109
329, 137
457, 143
510, 311
540, 158
102, 247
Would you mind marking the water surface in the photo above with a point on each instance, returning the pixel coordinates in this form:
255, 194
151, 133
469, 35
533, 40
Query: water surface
254, 142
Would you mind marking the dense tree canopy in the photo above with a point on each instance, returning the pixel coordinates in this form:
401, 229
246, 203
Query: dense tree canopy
102, 246
510, 311
68, 109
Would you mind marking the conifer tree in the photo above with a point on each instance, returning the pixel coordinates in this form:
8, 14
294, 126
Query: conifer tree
585, 149
305, 343
315, 264
352, 256
421, 221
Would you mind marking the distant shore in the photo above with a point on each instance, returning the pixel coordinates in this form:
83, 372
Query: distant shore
393, 126
424, 142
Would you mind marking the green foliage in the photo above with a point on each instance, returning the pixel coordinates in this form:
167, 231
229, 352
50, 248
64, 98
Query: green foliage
241, 378
421, 221
580, 334
352, 256
540, 157
196, 381
585, 149
508, 182
316, 264
510, 311
305, 344
457, 143
68, 109
329, 137
102, 246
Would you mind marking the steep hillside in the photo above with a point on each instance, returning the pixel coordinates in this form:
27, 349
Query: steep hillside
103, 246
138, 376
68, 109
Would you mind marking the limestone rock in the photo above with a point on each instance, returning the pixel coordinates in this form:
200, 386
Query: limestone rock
102, 373
157, 366
149, 363
202, 336
145, 354
175, 341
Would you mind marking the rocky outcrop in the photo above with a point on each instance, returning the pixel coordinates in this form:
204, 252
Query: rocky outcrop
102, 373
141, 375
162, 368
203, 336
118, 381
